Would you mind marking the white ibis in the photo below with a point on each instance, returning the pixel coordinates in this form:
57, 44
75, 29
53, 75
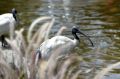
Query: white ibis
45, 49
7, 21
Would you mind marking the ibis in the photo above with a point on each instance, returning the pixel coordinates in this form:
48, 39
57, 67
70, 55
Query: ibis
7, 21
45, 49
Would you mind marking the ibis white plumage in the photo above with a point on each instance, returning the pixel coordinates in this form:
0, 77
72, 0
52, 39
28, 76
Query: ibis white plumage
45, 49
7, 21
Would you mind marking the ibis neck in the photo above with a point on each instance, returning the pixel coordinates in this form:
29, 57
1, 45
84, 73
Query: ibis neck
76, 37
14, 15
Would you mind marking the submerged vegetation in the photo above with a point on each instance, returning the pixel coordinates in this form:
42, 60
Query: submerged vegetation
17, 62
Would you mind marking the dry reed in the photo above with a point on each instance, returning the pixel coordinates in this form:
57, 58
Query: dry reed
61, 30
104, 71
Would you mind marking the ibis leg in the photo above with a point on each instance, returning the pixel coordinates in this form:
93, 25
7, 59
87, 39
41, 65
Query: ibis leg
3, 41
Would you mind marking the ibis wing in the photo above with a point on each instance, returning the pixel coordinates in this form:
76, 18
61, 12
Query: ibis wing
47, 47
4, 26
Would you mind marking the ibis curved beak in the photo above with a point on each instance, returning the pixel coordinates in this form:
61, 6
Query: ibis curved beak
17, 21
86, 37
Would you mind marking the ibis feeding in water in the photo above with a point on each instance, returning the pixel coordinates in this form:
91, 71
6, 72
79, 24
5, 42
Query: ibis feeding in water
7, 21
45, 49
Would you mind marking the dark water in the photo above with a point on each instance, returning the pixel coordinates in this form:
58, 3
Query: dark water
100, 20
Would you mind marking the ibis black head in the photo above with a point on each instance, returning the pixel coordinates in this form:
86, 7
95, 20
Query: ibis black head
75, 30
14, 12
